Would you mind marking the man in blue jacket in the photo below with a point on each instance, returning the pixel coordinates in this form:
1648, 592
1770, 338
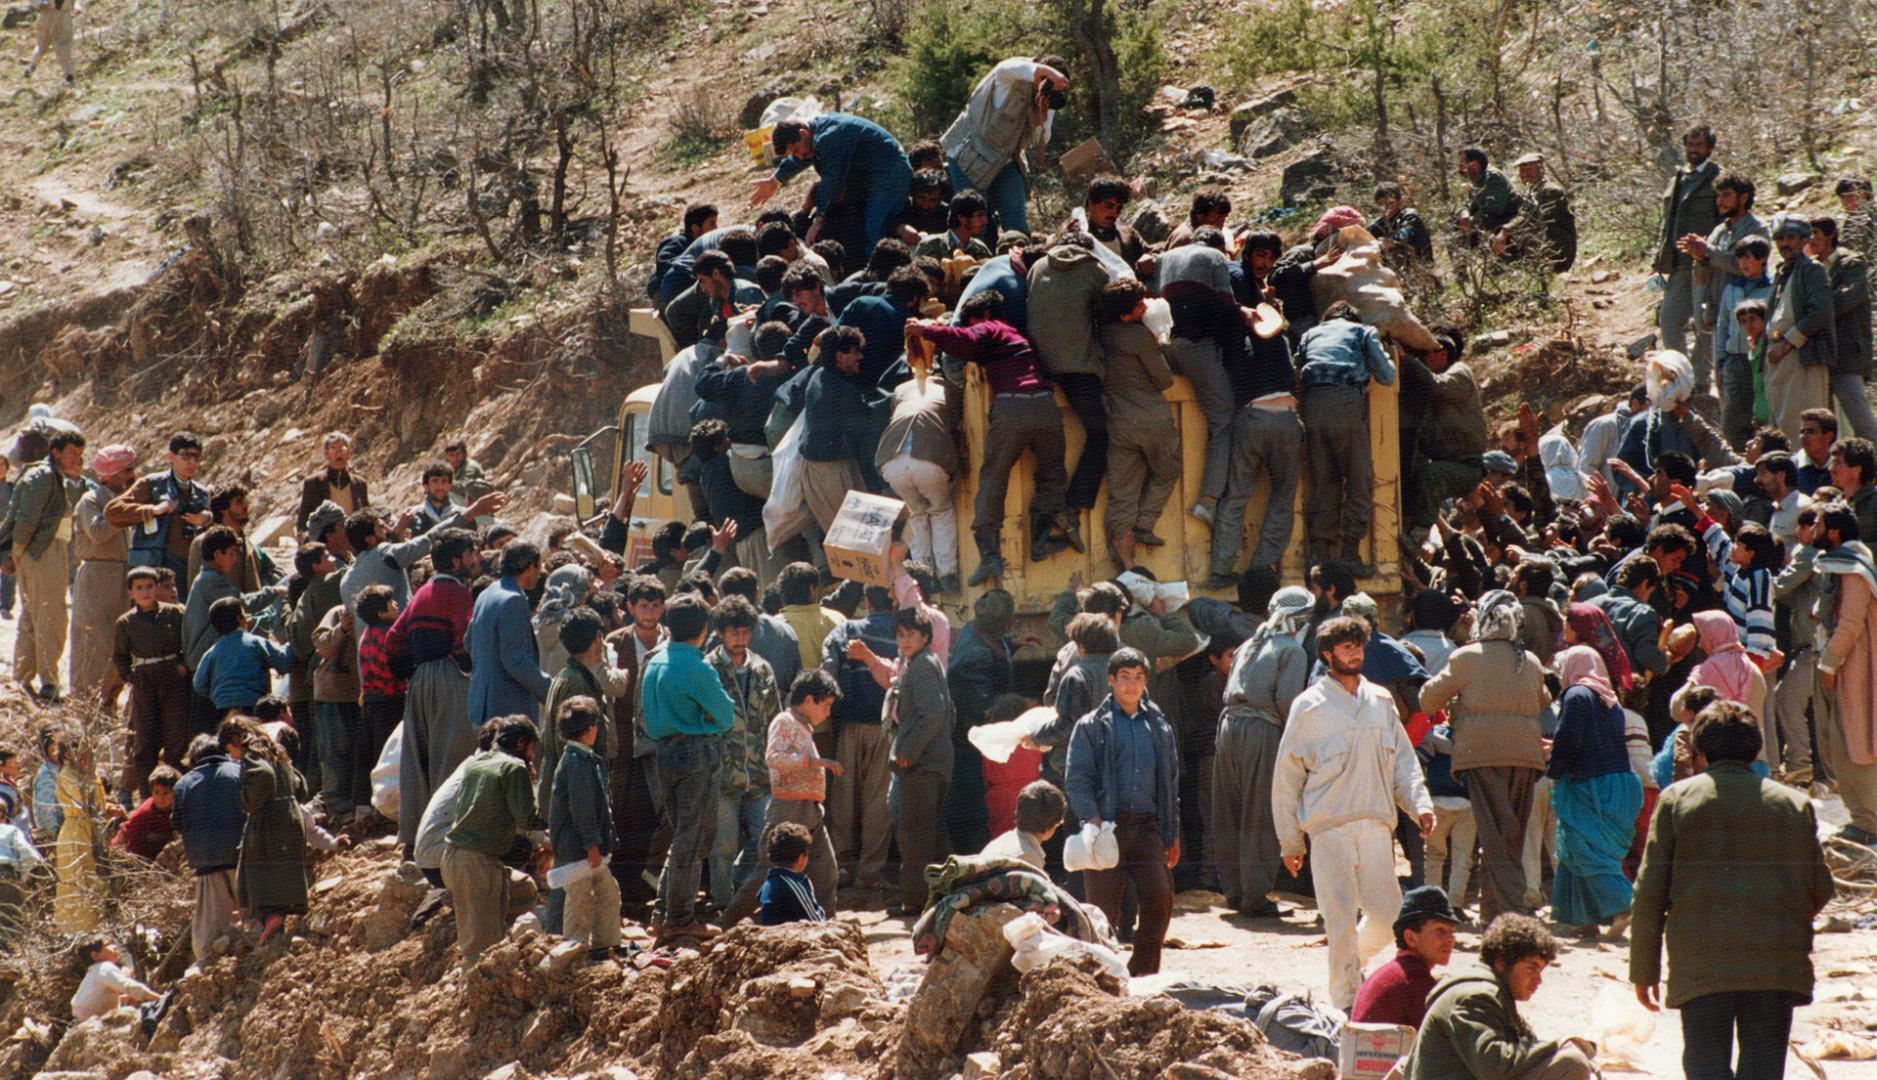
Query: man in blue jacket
1124, 768
209, 818
505, 674
687, 713
859, 163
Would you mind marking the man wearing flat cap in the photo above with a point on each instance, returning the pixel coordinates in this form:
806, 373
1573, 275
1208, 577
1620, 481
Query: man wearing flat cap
98, 597
1545, 228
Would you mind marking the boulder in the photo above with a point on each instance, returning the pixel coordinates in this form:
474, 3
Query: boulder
1272, 133
1640, 346
1149, 219
974, 957
1245, 112
983, 1065
1794, 182
398, 896
1311, 178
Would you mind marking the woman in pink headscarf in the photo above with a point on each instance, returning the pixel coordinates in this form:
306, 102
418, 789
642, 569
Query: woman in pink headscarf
1595, 794
1728, 669
1587, 624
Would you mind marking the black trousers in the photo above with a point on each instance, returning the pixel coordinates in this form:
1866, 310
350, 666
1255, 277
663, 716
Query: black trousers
1084, 394
1760, 1020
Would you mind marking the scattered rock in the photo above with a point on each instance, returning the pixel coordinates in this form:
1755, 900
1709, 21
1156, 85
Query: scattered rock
1640, 346
1149, 218
974, 959
1200, 97
561, 958
1794, 182
1602, 276
983, 1065
1493, 340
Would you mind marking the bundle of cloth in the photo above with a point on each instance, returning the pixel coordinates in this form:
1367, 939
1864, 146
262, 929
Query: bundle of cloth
1360, 278
968, 881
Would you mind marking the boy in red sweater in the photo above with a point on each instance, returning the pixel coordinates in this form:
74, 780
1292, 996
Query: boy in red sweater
146, 832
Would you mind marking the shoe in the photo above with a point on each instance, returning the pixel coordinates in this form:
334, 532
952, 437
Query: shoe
1800, 778
949, 584
1069, 521
1270, 909
1360, 569
1222, 581
1856, 836
1043, 547
992, 567
1142, 536
696, 928
1202, 511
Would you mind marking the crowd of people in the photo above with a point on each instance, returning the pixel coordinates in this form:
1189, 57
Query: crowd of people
1625, 657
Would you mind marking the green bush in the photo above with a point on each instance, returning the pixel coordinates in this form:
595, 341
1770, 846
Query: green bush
947, 52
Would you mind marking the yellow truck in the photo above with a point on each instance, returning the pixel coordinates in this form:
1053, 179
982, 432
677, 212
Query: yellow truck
599, 460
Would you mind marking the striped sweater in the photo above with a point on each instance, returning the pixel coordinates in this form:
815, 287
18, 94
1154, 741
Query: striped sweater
434, 624
1746, 593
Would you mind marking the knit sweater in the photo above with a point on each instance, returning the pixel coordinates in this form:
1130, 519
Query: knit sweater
433, 625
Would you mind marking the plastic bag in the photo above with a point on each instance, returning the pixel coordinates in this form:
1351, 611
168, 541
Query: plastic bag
790, 108
1116, 266
1159, 319
740, 336
1036, 944
571, 873
1620, 1027
1093, 848
786, 513
996, 742
384, 775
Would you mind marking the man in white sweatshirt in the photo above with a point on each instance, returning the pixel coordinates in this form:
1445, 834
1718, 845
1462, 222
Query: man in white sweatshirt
1343, 766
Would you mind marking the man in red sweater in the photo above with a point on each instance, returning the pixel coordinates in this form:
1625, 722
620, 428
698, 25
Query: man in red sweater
147, 830
1397, 992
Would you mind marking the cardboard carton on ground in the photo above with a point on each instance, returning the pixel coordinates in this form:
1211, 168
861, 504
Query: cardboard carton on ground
1369, 1050
1085, 162
858, 542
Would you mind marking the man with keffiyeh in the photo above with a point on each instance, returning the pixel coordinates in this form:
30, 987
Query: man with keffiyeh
1847, 668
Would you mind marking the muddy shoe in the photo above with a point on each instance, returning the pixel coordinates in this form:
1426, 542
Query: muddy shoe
949, 584
1142, 536
1069, 522
988, 569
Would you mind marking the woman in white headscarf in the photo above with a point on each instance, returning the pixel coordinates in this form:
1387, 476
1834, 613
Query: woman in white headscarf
1493, 691
1267, 674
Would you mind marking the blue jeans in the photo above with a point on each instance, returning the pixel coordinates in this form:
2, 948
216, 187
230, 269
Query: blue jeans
687, 783
335, 724
1762, 1020
1007, 195
734, 856
886, 199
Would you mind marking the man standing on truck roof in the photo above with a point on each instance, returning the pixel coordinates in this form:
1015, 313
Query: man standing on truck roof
1003, 132
858, 160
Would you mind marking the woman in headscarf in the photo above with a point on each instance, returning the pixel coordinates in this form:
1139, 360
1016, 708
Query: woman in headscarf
1729, 669
1497, 690
1595, 795
1587, 624
567, 589
1267, 674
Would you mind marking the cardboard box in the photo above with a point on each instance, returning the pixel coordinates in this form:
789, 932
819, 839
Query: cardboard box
857, 543
1370, 1050
1085, 162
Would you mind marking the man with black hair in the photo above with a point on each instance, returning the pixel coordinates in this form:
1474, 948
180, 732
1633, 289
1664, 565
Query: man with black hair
859, 163
699, 218
221, 550
1336, 362
1210, 206
148, 653
494, 807
439, 501
882, 320
1040, 809
1736, 969
887, 257
687, 715
918, 722
1002, 133
1406, 243
1023, 416
35, 547
1847, 272
428, 639
1690, 210
1472, 1029
1491, 205
1107, 196
165, 510
1854, 473
926, 204
1144, 447
743, 789
585, 675
839, 434
1441, 410
383, 556
727, 504
505, 660
233, 672
713, 296
1344, 764
966, 219
1603, 436
1124, 768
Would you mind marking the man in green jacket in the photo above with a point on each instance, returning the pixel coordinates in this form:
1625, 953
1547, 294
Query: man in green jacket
494, 807
1493, 203
35, 545
1732, 875
1473, 1027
